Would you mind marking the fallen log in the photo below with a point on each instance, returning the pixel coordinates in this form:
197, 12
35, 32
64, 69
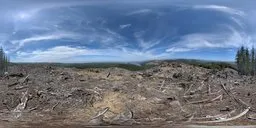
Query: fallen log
251, 117
98, 119
24, 80
229, 94
209, 117
54, 106
108, 75
209, 89
226, 119
188, 89
20, 87
23, 103
101, 113
162, 85
13, 84
207, 100
238, 101
21, 106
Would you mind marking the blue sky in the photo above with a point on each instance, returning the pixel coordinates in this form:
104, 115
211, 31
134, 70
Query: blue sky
125, 30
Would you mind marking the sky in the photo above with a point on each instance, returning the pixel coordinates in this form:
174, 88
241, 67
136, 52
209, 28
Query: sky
74, 31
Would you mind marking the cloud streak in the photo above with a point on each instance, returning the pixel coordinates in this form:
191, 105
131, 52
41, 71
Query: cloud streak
221, 9
234, 39
74, 54
52, 36
125, 26
141, 11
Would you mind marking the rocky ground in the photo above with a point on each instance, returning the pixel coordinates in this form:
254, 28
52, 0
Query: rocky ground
168, 94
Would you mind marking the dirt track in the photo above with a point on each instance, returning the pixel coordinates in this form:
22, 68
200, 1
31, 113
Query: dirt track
165, 95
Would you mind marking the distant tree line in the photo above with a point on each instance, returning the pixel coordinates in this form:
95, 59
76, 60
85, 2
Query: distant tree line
4, 62
246, 61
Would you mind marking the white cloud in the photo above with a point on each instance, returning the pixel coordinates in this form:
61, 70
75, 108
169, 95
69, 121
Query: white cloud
105, 37
145, 45
82, 54
197, 41
174, 50
52, 36
125, 26
142, 11
221, 9
238, 22
55, 54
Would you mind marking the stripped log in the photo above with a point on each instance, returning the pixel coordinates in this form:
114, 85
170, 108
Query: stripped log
238, 101
54, 106
101, 113
21, 106
24, 80
229, 94
108, 75
227, 119
23, 103
162, 85
252, 117
209, 117
207, 100
209, 89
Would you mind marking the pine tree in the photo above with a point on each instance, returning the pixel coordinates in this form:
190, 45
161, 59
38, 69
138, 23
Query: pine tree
4, 62
1, 61
252, 61
247, 62
254, 65
242, 60
238, 60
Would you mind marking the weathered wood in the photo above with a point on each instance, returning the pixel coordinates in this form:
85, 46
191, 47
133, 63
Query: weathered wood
207, 100
227, 119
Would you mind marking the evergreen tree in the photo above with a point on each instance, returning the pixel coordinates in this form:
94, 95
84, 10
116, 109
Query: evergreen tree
252, 61
247, 62
3, 62
238, 61
242, 60
254, 65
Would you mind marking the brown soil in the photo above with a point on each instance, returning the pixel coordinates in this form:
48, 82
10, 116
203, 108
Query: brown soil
168, 94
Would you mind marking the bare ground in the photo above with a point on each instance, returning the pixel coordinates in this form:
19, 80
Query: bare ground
169, 94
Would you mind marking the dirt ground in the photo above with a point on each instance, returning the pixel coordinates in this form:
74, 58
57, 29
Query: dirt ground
169, 94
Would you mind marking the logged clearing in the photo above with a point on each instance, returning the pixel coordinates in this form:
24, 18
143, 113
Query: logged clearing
168, 94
